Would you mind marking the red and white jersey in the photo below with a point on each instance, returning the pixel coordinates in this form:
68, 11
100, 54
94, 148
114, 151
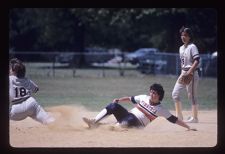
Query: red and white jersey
187, 55
146, 112
20, 89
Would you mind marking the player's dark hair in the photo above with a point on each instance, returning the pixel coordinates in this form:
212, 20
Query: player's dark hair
18, 67
159, 89
188, 31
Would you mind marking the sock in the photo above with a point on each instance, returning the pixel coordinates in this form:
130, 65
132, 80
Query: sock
101, 115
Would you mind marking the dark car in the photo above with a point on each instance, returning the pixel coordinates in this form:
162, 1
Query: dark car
153, 64
136, 56
72, 58
89, 56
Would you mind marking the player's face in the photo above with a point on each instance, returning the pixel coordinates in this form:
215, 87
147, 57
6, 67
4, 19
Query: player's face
185, 37
154, 96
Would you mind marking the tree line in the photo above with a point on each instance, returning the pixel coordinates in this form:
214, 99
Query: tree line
74, 29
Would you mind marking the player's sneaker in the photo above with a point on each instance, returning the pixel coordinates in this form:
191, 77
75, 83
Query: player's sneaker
90, 122
192, 120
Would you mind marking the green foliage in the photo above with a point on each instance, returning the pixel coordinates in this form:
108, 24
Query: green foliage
125, 28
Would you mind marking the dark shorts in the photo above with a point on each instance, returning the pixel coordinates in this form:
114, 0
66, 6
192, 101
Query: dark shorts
122, 115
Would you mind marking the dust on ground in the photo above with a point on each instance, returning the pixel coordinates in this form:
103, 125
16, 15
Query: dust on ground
70, 131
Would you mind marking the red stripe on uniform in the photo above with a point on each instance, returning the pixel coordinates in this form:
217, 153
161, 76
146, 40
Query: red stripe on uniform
193, 98
147, 114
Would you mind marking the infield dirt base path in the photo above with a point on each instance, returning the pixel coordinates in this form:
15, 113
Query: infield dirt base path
70, 131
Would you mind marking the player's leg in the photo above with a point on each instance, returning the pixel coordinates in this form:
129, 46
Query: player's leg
195, 112
117, 110
37, 112
42, 116
130, 121
192, 93
30, 108
18, 112
113, 108
178, 108
176, 98
92, 123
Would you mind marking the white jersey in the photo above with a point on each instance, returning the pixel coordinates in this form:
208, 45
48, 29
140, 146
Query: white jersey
153, 111
20, 89
187, 55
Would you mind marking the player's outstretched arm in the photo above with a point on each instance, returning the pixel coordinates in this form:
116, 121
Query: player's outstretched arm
122, 99
183, 124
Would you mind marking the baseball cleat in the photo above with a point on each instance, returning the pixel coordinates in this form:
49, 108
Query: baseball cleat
90, 122
192, 120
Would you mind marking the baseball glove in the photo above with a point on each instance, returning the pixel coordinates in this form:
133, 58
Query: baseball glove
185, 79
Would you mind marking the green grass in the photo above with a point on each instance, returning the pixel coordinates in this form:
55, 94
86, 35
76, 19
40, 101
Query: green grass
88, 88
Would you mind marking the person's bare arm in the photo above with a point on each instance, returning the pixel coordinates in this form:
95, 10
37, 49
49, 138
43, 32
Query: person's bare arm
122, 99
193, 67
183, 124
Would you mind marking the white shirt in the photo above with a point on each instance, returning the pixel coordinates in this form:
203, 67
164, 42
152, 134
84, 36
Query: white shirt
20, 89
188, 54
153, 111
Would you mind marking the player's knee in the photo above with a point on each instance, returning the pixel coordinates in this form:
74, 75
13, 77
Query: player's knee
112, 107
175, 96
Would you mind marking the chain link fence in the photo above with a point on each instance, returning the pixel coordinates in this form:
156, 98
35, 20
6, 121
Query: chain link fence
48, 63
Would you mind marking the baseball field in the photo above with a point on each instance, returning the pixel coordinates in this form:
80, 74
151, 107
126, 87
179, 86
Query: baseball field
69, 98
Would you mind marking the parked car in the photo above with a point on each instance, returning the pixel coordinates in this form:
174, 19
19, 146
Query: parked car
152, 64
136, 56
89, 56
210, 68
97, 55
72, 58
64, 57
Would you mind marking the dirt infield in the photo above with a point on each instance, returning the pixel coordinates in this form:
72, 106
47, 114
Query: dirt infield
70, 131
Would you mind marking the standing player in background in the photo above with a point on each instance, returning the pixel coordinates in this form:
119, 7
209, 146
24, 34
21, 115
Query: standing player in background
189, 57
22, 104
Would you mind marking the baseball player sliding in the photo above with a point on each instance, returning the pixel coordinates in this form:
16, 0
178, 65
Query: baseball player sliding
22, 104
147, 108
189, 56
